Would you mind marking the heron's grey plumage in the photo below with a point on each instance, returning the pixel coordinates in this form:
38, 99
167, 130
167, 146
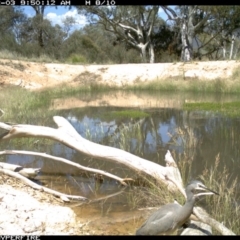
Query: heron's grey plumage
170, 217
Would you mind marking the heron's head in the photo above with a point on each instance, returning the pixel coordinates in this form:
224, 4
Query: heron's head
199, 189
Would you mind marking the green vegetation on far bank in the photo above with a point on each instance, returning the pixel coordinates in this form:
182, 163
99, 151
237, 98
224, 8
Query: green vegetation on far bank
171, 84
22, 101
230, 109
196, 85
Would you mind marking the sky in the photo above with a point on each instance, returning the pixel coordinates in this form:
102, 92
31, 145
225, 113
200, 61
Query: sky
56, 15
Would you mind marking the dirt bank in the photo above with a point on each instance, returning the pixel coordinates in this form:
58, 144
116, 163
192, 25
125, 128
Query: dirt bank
40, 75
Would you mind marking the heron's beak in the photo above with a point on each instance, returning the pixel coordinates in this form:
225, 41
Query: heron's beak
207, 191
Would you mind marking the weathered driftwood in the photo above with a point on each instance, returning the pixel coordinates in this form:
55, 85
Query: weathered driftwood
205, 218
11, 167
26, 172
68, 136
29, 172
197, 228
45, 155
38, 187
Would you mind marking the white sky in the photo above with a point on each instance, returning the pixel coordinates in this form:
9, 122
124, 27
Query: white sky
56, 18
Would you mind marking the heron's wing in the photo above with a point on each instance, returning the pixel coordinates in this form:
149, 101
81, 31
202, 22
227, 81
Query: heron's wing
158, 226
160, 222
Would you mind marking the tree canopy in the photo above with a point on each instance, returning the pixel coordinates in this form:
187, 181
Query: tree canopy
125, 34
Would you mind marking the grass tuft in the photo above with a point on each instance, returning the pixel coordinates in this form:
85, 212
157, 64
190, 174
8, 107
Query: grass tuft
224, 208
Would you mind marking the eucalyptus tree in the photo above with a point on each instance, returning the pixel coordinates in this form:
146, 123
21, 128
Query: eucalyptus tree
212, 28
39, 10
10, 18
223, 29
41, 26
52, 38
189, 20
32, 32
132, 25
68, 23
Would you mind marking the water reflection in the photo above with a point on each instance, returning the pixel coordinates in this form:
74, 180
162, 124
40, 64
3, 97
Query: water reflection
197, 136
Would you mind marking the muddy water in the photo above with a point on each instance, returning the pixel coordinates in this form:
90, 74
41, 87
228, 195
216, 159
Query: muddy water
196, 135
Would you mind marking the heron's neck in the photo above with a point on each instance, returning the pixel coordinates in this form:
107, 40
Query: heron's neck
190, 200
187, 208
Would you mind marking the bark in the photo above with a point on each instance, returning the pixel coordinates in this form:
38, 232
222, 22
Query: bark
186, 54
232, 46
151, 53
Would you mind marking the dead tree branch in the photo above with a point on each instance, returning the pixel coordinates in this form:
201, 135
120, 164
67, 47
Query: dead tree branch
67, 135
40, 188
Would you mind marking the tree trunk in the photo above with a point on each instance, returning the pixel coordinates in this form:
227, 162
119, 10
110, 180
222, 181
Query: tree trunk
232, 45
151, 53
143, 49
187, 40
39, 14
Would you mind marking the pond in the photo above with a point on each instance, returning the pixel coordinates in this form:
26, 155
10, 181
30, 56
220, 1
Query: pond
146, 124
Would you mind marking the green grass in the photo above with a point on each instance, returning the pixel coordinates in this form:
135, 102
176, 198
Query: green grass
189, 85
132, 114
195, 85
224, 208
230, 109
76, 59
43, 58
17, 102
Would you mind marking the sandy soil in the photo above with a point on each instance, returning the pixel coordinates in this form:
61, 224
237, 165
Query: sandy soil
34, 76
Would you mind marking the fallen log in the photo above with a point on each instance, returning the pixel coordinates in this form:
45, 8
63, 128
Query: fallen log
28, 182
67, 135
26, 172
45, 155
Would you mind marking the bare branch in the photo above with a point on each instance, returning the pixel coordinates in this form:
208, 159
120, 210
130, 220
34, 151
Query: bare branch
68, 136
167, 9
127, 27
38, 187
155, 10
45, 155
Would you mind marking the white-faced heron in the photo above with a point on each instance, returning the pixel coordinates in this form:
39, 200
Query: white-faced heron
170, 217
